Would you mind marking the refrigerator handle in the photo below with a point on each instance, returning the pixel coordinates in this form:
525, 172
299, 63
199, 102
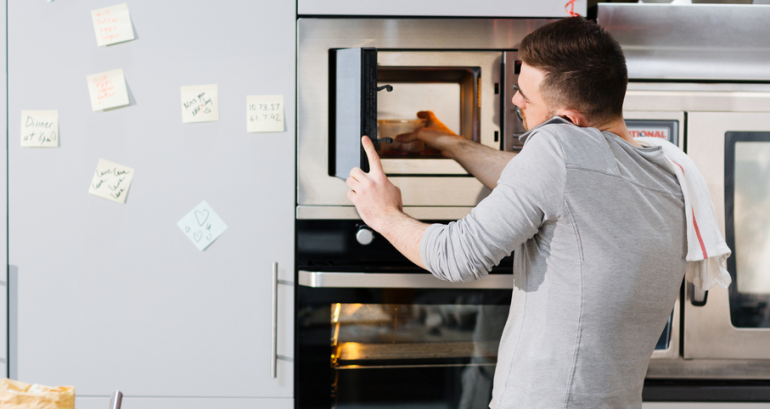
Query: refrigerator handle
274, 334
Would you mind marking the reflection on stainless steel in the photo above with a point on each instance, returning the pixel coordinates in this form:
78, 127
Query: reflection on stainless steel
395, 332
319, 279
354, 351
752, 217
680, 42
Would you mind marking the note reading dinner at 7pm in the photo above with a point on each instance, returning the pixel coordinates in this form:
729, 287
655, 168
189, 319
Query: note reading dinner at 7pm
39, 129
111, 181
264, 113
202, 226
112, 25
200, 103
107, 90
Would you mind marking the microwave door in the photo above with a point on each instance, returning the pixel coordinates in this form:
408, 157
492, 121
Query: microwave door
353, 107
732, 151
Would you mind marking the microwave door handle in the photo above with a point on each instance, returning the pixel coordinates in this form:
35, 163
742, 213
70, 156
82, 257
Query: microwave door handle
328, 279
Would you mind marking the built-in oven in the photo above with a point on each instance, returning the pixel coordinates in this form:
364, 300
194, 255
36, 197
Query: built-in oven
732, 149
374, 330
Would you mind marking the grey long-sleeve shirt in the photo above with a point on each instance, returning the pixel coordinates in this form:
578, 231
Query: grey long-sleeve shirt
598, 229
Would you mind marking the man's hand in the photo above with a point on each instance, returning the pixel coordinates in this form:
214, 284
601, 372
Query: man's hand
435, 134
376, 199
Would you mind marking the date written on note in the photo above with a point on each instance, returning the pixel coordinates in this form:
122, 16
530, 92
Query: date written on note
264, 113
107, 90
112, 25
202, 226
200, 103
111, 181
39, 129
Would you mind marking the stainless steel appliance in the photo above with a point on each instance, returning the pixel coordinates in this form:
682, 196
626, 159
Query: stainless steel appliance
716, 82
463, 69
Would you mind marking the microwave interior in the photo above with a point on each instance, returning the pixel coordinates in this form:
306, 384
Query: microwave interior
379, 93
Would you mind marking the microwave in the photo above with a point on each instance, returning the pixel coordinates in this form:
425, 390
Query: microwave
371, 76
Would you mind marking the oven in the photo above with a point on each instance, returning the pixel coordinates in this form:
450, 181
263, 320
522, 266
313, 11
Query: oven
374, 330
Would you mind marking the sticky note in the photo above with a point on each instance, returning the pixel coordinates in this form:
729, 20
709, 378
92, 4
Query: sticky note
202, 226
111, 181
264, 113
112, 25
200, 103
107, 90
39, 129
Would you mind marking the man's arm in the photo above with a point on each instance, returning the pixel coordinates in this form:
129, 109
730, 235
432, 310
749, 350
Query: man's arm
483, 162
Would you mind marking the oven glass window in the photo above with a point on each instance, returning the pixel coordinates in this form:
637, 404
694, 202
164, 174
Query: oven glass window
415, 344
747, 193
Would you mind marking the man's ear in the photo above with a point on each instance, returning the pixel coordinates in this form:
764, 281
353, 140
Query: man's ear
573, 116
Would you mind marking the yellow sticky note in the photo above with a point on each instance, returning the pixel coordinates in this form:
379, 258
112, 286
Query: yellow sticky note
111, 181
107, 90
264, 113
200, 103
39, 129
112, 25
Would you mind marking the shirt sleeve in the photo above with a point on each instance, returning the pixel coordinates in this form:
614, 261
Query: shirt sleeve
530, 192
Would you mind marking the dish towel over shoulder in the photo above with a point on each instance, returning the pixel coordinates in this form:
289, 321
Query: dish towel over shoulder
707, 251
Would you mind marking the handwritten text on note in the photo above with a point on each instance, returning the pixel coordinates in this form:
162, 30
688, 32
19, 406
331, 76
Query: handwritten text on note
200, 103
112, 25
39, 129
107, 90
202, 226
264, 113
111, 181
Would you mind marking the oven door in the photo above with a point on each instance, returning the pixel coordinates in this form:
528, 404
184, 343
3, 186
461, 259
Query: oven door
732, 151
397, 342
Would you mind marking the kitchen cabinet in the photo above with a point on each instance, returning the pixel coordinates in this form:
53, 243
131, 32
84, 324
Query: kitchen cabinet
109, 296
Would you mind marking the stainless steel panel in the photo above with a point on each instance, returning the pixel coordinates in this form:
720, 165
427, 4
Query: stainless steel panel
708, 330
688, 101
512, 125
702, 41
317, 36
350, 213
709, 368
318, 279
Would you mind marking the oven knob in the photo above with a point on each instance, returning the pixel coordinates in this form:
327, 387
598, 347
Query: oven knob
364, 236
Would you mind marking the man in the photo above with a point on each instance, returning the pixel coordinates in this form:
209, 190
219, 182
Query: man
597, 223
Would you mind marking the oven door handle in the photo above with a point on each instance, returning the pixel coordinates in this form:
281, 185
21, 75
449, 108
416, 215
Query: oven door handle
324, 279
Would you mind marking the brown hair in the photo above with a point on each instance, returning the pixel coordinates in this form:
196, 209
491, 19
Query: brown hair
583, 66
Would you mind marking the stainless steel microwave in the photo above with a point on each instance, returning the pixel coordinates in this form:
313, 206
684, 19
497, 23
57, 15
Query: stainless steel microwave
357, 76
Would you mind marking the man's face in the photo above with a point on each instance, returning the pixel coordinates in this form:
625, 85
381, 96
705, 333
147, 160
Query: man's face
534, 110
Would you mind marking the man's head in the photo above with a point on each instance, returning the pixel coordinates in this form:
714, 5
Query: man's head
574, 69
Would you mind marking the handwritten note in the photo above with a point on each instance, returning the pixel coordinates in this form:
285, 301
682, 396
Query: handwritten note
39, 129
202, 226
264, 113
112, 25
107, 89
111, 181
200, 103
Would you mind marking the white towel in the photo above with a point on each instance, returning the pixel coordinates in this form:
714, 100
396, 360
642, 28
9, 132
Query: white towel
707, 251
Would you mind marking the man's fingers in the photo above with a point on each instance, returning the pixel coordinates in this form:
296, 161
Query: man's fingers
374, 160
407, 137
358, 174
